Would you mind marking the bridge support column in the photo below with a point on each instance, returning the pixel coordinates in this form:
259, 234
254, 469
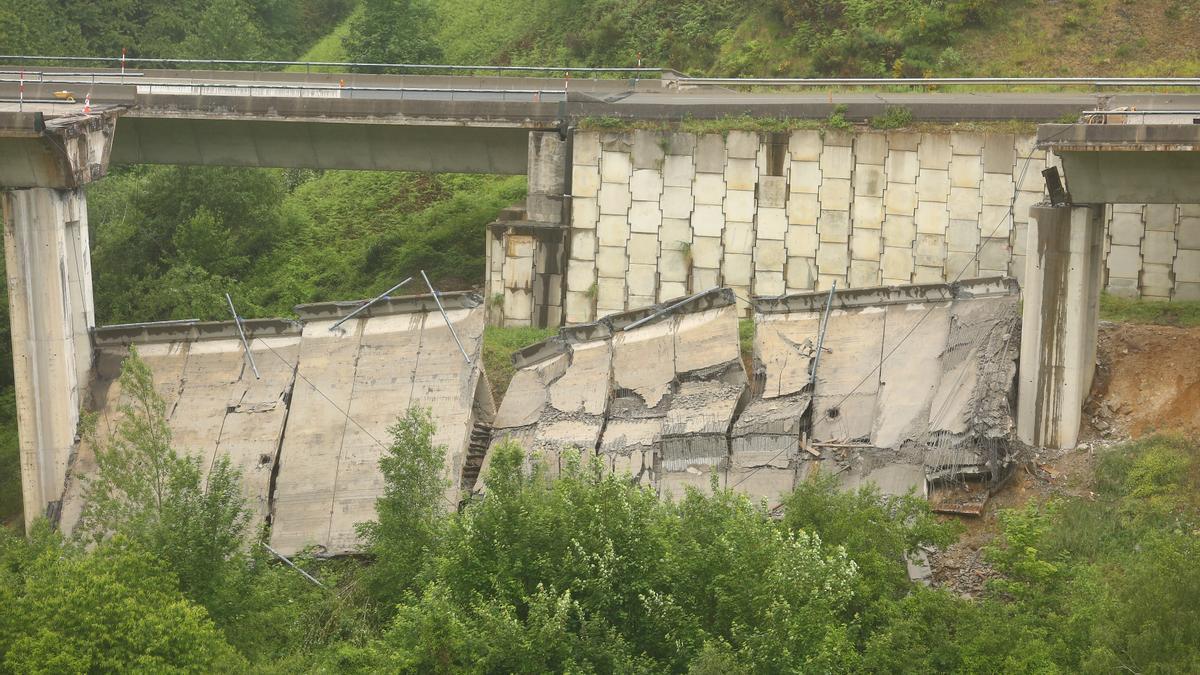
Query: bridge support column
1060, 315
50, 304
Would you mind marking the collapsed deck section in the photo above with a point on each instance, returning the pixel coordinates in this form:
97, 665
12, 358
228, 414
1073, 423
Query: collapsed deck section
913, 385
308, 433
653, 392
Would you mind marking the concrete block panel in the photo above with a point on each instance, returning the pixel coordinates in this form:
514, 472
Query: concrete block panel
1023, 203
965, 172
932, 217
899, 231
614, 199
585, 212
863, 273
772, 192
739, 237
612, 262
1126, 229
677, 202
646, 185
585, 181
994, 254
997, 189
964, 203
805, 146
802, 240
647, 149
643, 280
836, 137
801, 274
586, 148
1026, 147
928, 275
610, 295
1160, 217
933, 185
643, 249
709, 188
835, 194
645, 217
834, 226
1158, 247
706, 278
771, 224
868, 212
967, 143
739, 205
994, 221
672, 266
742, 144
865, 244
1189, 232
710, 154
678, 171
870, 147
707, 253
934, 152
1156, 280
803, 209
580, 276
669, 290
737, 269
901, 166
999, 153
868, 180
962, 236
896, 264
837, 161
613, 231
961, 266
903, 140
769, 284
675, 232
578, 308
930, 250
1031, 180
583, 244
1185, 290
833, 260
1126, 208
1189, 210
769, 256
900, 198
741, 174
615, 167
1124, 261
826, 281
1019, 238
806, 177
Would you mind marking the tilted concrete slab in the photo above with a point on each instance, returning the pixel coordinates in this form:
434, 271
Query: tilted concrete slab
915, 376
1119, 163
314, 426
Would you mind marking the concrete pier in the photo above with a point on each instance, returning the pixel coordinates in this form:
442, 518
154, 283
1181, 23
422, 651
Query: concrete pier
1063, 275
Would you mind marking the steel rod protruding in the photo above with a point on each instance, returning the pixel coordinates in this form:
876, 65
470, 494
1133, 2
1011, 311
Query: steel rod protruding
812, 378
367, 304
246, 345
445, 317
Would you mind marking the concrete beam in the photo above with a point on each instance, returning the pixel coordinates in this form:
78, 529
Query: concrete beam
1127, 163
63, 152
1061, 303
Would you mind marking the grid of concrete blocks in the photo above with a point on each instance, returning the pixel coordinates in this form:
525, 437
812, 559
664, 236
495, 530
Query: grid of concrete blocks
657, 215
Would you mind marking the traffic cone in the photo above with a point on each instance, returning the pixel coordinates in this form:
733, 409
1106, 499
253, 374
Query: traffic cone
87, 104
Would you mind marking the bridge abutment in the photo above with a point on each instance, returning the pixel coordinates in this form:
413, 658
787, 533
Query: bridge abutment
1060, 315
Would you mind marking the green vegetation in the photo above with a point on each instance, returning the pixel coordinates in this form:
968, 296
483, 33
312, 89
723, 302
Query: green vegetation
1176, 313
590, 573
499, 344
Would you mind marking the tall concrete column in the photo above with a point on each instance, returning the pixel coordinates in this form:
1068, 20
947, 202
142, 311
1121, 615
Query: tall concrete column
50, 303
1060, 315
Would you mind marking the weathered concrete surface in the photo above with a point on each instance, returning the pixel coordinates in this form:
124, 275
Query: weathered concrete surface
910, 376
1059, 322
1127, 163
215, 405
400, 353
309, 434
64, 152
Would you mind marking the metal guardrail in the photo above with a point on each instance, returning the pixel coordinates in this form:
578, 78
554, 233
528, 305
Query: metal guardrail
931, 81
332, 64
1134, 113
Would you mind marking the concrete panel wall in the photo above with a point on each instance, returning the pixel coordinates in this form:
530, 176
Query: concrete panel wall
661, 214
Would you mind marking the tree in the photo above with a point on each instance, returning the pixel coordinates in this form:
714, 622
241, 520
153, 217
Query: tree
151, 496
393, 31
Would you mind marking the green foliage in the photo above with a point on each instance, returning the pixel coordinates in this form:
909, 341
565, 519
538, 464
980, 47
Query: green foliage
113, 609
837, 118
392, 31
410, 511
746, 337
1175, 313
894, 117
499, 344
